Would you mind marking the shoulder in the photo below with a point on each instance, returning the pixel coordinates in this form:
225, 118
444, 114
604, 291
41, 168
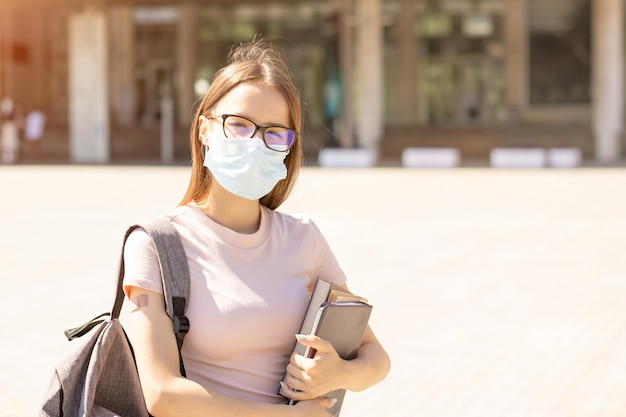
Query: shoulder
291, 219
141, 265
187, 216
301, 222
296, 227
138, 243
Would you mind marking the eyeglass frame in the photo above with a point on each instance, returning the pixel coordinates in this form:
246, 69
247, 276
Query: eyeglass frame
256, 129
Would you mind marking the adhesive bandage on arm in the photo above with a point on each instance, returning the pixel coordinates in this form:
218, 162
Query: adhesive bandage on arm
138, 301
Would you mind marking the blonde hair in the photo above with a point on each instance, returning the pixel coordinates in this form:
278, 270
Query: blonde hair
257, 61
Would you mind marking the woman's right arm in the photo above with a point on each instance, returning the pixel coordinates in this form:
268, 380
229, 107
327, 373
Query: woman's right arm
166, 392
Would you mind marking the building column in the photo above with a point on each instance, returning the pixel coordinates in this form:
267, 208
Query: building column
186, 50
407, 60
122, 64
516, 56
7, 60
2, 12
39, 68
88, 88
370, 73
346, 64
607, 77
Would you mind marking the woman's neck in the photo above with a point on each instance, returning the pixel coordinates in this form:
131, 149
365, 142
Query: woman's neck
236, 213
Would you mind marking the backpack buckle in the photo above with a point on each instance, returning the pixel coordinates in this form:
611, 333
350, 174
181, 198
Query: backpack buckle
181, 324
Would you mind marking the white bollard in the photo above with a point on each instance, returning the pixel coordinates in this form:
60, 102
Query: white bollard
347, 157
517, 158
430, 157
564, 157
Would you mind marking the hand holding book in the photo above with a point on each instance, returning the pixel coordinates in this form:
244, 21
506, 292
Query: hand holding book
337, 321
316, 374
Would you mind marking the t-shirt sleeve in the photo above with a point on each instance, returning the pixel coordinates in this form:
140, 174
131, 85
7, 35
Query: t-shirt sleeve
328, 268
141, 265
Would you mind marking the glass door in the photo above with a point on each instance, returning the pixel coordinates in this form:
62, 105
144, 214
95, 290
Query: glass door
155, 56
459, 69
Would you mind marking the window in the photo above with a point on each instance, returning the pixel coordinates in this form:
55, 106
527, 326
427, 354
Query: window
560, 52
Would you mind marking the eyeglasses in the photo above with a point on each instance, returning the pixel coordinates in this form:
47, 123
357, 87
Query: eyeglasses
276, 138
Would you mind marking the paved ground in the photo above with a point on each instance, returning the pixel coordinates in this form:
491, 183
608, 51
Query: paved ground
496, 293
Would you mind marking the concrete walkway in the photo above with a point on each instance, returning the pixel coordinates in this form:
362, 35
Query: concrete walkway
496, 293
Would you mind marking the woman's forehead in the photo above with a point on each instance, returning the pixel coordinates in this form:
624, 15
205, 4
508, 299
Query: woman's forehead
258, 101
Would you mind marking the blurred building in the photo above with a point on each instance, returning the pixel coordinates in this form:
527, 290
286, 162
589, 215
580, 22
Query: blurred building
385, 74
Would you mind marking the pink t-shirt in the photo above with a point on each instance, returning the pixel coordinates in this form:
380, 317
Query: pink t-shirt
248, 295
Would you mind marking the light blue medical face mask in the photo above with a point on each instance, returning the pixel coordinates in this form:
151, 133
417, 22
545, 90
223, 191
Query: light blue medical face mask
245, 167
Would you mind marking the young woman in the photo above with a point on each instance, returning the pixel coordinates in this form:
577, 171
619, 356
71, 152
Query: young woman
252, 268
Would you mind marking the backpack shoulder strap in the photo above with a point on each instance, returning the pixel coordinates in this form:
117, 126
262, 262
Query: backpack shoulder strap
174, 274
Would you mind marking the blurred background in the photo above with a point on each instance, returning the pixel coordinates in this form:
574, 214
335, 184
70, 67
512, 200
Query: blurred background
117, 80
512, 287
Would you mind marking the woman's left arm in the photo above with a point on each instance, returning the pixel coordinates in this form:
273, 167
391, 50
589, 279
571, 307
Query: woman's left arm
371, 365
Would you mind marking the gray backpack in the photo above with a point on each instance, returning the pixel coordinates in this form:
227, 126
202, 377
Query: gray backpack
97, 377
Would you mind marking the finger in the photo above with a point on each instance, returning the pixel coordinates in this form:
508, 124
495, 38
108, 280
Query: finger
326, 402
300, 395
295, 371
320, 403
300, 381
301, 364
294, 394
294, 384
314, 342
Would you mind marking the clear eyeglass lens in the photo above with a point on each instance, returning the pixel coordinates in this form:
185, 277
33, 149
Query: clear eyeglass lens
275, 137
279, 139
236, 127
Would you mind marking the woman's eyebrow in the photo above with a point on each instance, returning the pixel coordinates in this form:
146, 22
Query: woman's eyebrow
261, 124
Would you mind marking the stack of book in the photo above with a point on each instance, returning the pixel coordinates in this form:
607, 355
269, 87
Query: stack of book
338, 317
